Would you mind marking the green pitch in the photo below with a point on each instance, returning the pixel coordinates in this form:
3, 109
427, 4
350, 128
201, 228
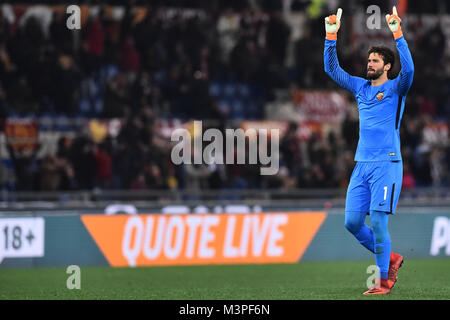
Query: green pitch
418, 279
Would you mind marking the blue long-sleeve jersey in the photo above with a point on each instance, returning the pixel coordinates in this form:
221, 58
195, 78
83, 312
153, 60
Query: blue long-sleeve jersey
380, 107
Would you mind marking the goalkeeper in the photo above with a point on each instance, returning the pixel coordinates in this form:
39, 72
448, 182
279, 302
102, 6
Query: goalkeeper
376, 180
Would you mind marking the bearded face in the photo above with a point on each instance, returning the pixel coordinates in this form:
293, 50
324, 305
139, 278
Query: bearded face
373, 74
376, 66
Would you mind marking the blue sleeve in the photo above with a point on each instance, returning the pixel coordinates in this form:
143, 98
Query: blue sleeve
406, 75
332, 68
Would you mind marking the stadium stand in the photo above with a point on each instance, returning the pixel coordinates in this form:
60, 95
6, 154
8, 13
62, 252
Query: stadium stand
95, 107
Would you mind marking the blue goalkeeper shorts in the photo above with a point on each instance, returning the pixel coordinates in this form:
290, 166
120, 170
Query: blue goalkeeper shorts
375, 186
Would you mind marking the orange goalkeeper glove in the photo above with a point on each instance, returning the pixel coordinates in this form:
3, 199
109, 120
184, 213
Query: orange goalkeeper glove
332, 25
394, 21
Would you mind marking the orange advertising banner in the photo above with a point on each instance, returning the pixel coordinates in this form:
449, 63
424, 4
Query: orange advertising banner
194, 239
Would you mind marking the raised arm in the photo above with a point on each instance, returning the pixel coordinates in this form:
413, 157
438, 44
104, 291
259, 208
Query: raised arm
406, 75
330, 59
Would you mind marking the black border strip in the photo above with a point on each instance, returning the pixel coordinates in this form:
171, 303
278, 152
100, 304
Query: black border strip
397, 116
392, 196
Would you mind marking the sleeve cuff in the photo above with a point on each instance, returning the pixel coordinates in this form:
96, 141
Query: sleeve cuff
330, 42
402, 38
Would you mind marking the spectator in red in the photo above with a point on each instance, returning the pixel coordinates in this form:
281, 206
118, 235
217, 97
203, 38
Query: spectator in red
93, 45
104, 165
130, 58
95, 37
139, 182
408, 179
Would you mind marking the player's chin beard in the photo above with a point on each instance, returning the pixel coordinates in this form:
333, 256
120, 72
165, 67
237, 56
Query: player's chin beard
374, 75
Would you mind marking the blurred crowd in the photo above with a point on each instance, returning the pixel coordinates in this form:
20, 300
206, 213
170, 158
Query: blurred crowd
163, 66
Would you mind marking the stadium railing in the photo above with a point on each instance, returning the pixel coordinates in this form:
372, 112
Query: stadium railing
300, 198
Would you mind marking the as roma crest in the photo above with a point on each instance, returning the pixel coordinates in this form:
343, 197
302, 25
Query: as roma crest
380, 96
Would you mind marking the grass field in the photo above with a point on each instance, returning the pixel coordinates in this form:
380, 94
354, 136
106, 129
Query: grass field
418, 279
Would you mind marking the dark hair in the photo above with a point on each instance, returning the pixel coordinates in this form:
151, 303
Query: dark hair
386, 54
